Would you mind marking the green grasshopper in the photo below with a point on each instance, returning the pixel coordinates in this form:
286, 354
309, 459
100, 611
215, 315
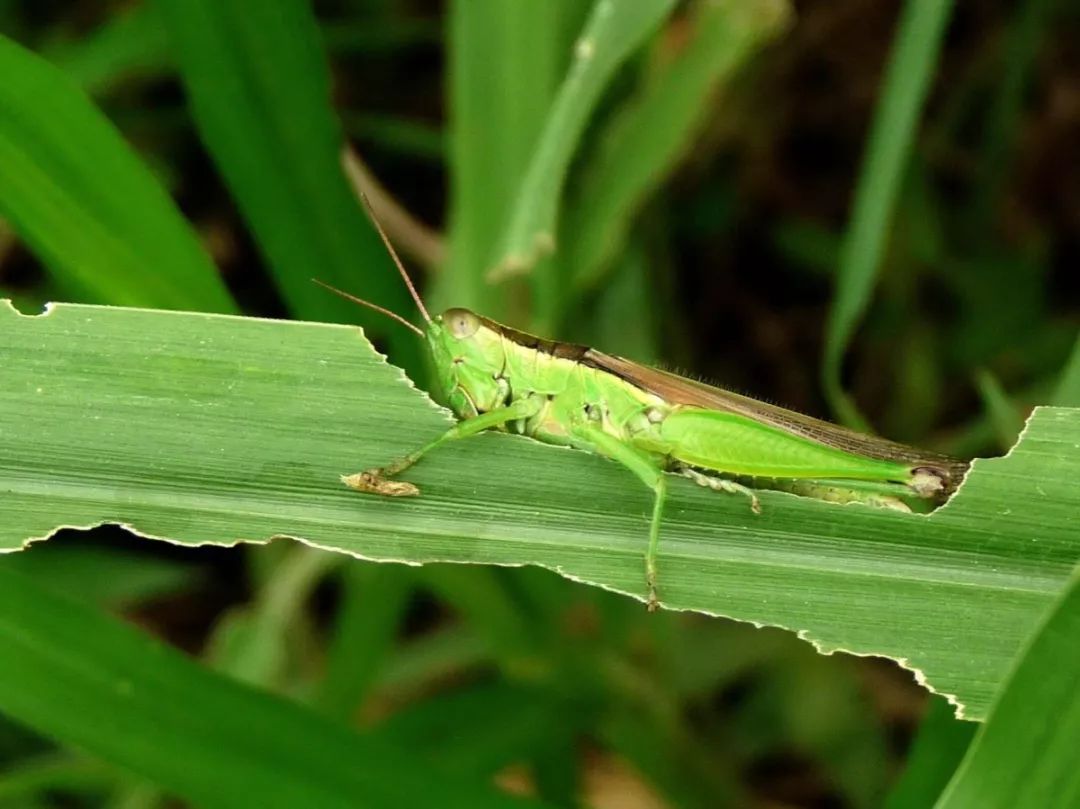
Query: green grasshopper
650, 421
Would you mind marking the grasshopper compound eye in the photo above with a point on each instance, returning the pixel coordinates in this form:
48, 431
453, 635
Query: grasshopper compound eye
461, 323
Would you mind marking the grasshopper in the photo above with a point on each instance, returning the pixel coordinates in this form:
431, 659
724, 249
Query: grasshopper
651, 421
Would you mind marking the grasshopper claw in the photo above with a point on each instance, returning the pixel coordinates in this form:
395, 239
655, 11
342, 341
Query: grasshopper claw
372, 482
653, 604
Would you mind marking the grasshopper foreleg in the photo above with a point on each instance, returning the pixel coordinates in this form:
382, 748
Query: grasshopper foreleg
375, 481
720, 485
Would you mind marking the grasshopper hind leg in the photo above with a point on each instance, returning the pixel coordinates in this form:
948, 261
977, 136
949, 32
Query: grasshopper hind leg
718, 484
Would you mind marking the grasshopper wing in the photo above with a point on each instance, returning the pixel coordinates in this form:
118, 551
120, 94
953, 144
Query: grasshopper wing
680, 390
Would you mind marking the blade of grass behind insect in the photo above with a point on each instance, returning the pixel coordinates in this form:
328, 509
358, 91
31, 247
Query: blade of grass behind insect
273, 412
83, 202
1003, 414
1067, 393
251, 642
904, 89
259, 86
614, 30
421, 664
413, 139
504, 61
1025, 754
134, 44
490, 608
670, 763
103, 574
31, 782
629, 297
93, 682
481, 728
131, 43
935, 754
635, 152
1023, 36
372, 603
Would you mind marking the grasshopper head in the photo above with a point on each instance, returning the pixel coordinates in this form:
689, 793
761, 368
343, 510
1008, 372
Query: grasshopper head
468, 358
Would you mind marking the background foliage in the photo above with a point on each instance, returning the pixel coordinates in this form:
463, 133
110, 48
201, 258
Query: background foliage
752, 191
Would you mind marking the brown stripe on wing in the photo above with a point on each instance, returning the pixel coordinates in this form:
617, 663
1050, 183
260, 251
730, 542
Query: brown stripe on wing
679, 390
566, 351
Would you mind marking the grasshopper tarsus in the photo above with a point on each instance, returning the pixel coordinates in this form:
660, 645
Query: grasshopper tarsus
372, 481
718, 484
652, 604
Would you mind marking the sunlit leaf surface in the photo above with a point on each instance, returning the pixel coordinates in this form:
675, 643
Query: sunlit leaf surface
216, 429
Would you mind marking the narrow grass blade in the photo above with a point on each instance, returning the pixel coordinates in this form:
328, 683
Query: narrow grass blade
259, 85
1025, 754
635, 153
615, 29
935, 754
1003, 414
373, 602
104, 575
93, 682
495, 115
907, 80
131, 44
213, 429
1067, 393
83, 202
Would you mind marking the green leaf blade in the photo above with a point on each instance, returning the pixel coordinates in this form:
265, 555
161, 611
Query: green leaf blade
907, 81
92, 682
259, 85
75, 191
1025, 755
615, 28
635, 154
211, 429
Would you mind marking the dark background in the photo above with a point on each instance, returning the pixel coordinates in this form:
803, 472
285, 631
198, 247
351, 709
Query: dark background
729, 272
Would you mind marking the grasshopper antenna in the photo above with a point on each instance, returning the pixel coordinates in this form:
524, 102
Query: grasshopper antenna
374, 306
393, 254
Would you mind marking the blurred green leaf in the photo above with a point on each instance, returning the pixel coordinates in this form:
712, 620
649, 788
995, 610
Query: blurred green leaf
373, 602
1000, 136
134, 44
379, 35
1025, 754
23, 783
906, 83
635, 153
934, 756
808, 244
614, 30
102, 575
628, 297
479, 729
1067, 393
259, 86
211, 429
76, 193
93, 682
131, 43
505, 57
413, 139
250, 642
1003, 414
